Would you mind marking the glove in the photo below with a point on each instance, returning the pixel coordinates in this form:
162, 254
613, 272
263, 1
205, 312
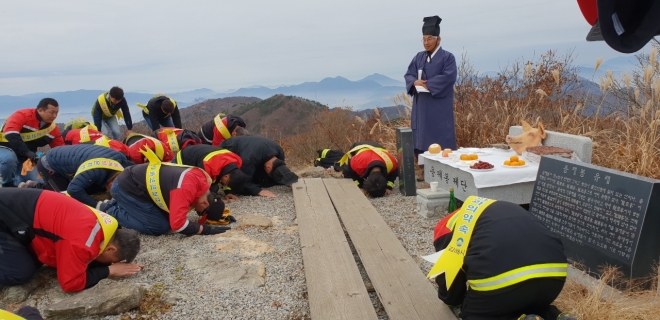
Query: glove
32, 156
208, 230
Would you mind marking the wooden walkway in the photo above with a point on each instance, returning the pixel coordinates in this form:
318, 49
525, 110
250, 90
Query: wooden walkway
335, 287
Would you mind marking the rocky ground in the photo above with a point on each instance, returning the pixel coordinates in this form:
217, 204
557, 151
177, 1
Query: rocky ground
254, 271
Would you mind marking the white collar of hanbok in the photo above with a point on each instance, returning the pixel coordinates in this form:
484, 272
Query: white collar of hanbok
433, 54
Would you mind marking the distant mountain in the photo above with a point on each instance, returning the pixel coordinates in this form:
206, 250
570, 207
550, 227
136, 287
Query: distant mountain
388, 113
384, 80
79, 103
276, 117
372, 91
617, 65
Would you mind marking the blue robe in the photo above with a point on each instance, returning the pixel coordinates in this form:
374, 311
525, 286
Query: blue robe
433, 113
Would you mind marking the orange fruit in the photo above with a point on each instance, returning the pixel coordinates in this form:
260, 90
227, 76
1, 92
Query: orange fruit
465, 157
507, 162
513, 158
474, 157
521, 162
514, 163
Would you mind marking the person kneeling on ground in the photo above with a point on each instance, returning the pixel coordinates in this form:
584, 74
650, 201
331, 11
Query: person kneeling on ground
81, 135
221, 164
44, 227
155, 198
81, 170
511, 262
329, 158
220, 129
371, 167
177, 139
161, 111
138, 142
263, 162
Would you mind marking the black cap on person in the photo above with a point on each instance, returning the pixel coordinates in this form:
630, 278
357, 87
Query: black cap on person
431, 26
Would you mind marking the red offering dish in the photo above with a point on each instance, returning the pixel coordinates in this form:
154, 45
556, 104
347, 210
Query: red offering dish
482, 165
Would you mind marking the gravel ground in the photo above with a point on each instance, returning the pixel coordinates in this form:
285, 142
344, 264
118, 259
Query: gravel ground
284, 295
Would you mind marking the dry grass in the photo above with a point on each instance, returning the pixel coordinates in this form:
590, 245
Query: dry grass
622, 119
634, 303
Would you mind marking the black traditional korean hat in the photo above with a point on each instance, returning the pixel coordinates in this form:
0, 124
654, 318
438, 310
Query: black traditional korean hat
431, 26
625, 25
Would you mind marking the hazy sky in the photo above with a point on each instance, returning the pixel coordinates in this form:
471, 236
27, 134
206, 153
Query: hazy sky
172, 46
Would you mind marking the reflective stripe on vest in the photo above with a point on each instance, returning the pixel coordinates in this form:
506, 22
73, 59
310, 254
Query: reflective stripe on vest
221, 127
104, 107
153, 178
323, 154
509, 278
160, 151
215, 153
99, 163
146, 110
382, 153
30, 136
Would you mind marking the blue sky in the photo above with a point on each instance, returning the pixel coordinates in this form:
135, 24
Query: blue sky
171, 46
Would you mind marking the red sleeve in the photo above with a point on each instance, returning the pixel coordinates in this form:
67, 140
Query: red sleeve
58, 141
441, 228
15, 123
217, 137
72, 260
182, 198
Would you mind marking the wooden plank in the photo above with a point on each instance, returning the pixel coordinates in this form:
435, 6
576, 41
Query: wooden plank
334, 285
401, 285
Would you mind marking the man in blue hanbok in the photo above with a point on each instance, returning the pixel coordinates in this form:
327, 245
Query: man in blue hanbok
430, 81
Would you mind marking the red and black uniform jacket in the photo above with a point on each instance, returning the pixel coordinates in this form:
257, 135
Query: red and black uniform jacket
180, 188
212, 135
72, 136
184, 137
28, 120
136, 143
216, 166
62, 232
359, 165
505, 237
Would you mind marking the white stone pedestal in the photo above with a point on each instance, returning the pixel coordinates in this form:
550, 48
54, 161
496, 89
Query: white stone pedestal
431, 204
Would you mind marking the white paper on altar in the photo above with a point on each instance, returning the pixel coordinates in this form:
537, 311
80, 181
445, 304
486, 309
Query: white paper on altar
501, 176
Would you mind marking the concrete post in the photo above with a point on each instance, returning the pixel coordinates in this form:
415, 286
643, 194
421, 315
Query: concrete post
406, 159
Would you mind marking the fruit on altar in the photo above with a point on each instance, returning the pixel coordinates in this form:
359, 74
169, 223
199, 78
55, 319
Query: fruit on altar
435, 148
446, 152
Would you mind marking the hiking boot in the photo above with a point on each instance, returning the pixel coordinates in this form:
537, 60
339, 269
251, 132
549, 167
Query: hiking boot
106, 204
566, 316
529, 317
28, 184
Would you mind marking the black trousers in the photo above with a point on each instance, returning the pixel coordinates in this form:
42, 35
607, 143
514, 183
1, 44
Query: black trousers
533, 296
52, 180
17, 263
